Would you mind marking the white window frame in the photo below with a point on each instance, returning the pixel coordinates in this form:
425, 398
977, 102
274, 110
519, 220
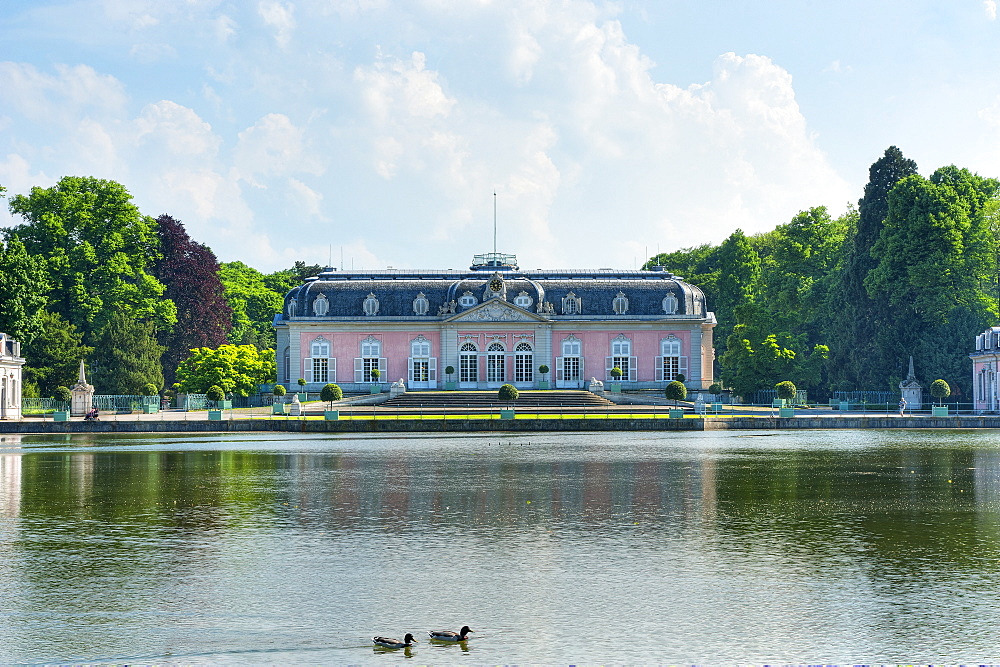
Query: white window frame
370, 305
370, 359
467, 300
671, 362
572, 355
468, 363
671, 304
496, 362
524, 362
620, 304
421, 305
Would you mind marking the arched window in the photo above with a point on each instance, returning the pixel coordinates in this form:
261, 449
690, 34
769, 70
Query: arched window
495, 367
524, 365
671, 362
422, 367
287, 357
318, 365
468, 363
571, 304
621, 358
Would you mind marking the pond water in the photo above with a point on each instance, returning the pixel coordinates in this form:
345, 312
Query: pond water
824, 546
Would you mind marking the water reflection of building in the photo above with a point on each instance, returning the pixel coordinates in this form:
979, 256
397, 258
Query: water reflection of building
10, 481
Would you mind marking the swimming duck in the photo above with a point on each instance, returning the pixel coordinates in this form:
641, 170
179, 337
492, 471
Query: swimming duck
387, 642
450, 635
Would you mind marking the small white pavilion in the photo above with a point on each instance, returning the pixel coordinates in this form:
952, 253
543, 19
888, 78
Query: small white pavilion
10, 377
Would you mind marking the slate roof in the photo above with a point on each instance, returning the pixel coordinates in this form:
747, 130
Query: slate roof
396, 291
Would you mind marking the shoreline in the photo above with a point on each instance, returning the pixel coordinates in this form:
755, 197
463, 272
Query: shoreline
492, 423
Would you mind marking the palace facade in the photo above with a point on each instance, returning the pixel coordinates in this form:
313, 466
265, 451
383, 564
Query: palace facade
494, 324
985, 367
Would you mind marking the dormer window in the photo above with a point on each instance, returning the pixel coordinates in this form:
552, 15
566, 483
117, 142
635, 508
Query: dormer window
620, 304
370, 305
421, 305
321, 306
467, 300
670, 304
522, 300
571, 304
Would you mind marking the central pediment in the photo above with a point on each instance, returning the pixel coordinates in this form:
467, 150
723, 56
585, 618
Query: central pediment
496, 310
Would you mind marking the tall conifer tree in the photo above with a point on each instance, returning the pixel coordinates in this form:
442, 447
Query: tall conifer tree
856, 315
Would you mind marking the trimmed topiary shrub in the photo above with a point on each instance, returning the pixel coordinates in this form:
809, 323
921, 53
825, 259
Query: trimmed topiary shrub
508, 393
330, 393
940, 389
715, 389
786, 390
676, 391
279, 390
215, 393
150, 389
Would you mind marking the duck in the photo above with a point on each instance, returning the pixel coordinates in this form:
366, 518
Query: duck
388, 642
450, 635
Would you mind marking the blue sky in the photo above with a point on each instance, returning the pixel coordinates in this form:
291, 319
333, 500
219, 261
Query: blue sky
377, 131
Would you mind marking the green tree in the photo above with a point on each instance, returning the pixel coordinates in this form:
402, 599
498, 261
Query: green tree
508, 394
748, 365
99, 250
937, 263
254, 304
739, 283
279, 390
24, 285
54, 358
675, 391
940, 390
63, 394
237, 369
331, 392
853, 314
215, 393
126, 357
786, 390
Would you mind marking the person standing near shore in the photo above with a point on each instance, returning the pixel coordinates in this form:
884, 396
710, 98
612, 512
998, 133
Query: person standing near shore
902, 406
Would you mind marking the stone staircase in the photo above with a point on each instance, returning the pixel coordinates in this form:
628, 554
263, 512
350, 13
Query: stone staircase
527, 400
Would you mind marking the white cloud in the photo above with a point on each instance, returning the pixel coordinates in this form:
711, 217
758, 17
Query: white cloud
990, 7
395, 149
280, 17
272, 146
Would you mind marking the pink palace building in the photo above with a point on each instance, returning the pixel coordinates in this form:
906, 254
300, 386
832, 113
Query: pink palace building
494, 324
985, 368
